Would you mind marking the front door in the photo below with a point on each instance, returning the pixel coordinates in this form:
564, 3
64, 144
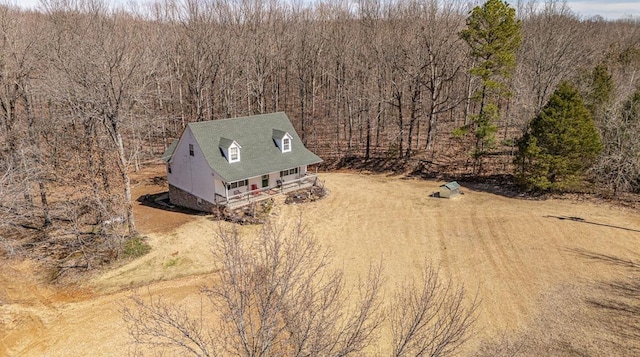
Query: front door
265, 181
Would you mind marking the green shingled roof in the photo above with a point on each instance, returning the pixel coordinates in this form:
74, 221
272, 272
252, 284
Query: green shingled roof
453, 185
278, 134
259, 154
169, 152
225, 143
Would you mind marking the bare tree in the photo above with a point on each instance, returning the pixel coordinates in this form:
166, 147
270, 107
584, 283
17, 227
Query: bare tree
431, 317
619, 166
277, 295
98, 59
20, 47
168, 327
554, 42
445, 63
13, 184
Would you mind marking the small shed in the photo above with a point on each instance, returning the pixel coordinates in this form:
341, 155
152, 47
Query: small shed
450, 189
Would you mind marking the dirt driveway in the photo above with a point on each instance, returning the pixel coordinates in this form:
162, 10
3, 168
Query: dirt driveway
514, 253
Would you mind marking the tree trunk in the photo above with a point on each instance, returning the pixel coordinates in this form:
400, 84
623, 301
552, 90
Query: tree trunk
367, 151
127, 185
467, 104
400, 123
430, 124
45, 203
38, 159
122, 166
413, 118
302, 94
478, 155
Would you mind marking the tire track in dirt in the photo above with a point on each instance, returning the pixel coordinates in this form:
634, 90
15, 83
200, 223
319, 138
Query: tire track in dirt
511, 263
445, 260
505, 289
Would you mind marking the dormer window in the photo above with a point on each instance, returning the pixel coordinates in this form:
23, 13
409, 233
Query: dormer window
230, 149
282, 139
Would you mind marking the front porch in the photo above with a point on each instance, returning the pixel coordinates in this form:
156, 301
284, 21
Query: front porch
244, 198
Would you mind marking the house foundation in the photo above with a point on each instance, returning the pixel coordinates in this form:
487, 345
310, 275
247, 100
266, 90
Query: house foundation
183, 198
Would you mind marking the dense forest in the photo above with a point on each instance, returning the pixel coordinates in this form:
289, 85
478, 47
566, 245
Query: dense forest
89, 93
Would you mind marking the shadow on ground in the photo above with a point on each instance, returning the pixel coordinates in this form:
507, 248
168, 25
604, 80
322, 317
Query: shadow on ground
617, 302
581, 318
161, 201
503, 184
582, 220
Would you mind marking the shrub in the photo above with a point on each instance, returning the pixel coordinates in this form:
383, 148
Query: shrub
135, 247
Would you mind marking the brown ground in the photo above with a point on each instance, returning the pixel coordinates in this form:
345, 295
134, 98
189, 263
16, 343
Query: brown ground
524, 258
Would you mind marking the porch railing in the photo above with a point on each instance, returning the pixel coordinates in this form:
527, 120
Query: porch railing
238, 199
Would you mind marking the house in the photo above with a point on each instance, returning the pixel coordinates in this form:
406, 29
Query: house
232, 162
450, 190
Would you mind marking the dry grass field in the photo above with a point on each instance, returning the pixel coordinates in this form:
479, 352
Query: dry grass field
542, 269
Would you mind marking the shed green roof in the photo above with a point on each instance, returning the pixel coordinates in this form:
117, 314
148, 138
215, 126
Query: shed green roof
259, 154
453, 185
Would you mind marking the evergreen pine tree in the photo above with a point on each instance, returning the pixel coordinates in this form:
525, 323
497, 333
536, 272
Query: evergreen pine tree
631, 108
493, 35
601, 90
560, 145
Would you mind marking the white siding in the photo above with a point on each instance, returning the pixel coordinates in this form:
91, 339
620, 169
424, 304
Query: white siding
273, 179
219, 187
255, 181
191, 173
302, 170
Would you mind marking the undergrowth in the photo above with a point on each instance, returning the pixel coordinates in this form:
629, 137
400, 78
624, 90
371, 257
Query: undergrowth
135, 247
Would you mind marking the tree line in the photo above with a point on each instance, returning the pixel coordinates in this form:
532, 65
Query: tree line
88, 92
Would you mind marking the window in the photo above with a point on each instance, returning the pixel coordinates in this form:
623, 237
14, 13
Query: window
289, 172
286, 144
230, 149
190, 149
234, 154
237, 184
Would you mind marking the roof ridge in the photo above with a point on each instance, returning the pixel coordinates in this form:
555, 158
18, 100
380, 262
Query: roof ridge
236, 118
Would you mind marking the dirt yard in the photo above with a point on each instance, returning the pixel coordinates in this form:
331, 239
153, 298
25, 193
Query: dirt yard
529, 261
